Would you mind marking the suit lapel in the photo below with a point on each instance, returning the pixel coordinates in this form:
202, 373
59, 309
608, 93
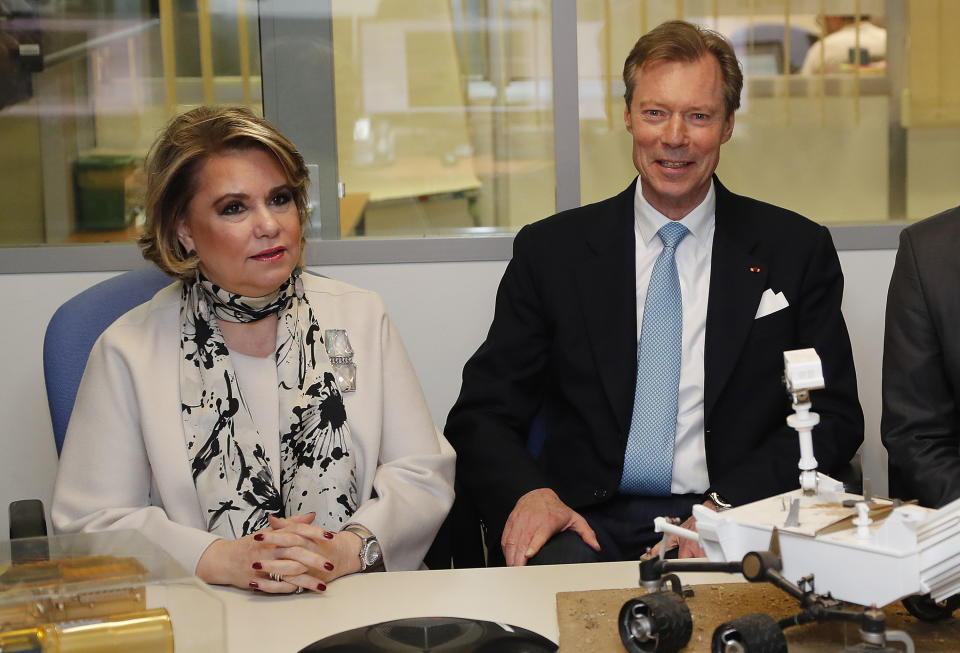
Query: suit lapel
607, 292
737, 280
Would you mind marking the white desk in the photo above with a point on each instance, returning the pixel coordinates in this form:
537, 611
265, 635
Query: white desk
523, 596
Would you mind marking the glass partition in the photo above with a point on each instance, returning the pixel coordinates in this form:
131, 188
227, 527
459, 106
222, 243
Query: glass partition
438, 115
839, 137
90, 84
443, 109
444, 116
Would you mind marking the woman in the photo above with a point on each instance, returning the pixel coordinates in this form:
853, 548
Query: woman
263, 425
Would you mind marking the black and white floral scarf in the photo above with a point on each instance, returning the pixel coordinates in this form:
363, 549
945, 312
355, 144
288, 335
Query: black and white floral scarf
230, 468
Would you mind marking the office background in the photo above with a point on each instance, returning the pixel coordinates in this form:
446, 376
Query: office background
454, 122
461, 117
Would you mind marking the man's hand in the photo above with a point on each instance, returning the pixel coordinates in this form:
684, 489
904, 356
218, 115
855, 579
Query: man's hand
688, 548
538, 516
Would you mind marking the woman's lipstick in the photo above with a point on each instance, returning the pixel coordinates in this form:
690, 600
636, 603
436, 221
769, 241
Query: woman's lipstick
270, 255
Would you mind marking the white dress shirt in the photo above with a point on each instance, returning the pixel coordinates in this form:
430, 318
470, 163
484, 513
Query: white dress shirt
693, 257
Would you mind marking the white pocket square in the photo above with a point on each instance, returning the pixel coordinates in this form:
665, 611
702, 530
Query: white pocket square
770, 302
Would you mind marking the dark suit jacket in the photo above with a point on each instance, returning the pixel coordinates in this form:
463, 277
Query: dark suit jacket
921, 363
563, 344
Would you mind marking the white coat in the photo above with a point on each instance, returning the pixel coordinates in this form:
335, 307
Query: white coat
124, 462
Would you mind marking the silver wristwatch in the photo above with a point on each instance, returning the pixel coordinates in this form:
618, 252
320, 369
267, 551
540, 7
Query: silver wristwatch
371, 556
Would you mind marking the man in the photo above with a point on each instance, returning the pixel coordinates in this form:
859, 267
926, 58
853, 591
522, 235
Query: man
920, 426
838, 46
644, 336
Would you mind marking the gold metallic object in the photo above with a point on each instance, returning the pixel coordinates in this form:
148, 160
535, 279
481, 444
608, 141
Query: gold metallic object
69, 589
147, 631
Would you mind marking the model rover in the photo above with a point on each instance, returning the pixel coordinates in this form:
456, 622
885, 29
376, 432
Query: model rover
825, 547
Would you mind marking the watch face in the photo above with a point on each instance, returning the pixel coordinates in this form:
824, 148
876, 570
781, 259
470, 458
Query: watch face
371, 553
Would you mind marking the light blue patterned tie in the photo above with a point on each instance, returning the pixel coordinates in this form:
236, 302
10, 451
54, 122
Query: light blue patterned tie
648, 462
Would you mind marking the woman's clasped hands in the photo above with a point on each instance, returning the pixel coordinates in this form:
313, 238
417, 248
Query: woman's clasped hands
290, 556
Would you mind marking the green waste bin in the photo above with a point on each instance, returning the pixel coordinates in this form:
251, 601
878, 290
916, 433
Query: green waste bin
106, 191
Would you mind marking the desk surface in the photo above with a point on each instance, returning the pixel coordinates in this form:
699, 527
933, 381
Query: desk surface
523, 596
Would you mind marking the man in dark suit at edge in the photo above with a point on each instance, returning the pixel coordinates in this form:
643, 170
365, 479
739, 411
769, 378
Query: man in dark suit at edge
920, 426
649, 353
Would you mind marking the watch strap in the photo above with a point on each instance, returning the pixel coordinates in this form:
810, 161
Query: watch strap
359, 531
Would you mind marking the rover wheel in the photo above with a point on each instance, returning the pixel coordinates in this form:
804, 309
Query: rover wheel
925, 608
754, 633
659, 622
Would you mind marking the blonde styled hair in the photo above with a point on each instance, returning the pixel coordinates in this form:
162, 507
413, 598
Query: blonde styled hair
175, 159
678, 40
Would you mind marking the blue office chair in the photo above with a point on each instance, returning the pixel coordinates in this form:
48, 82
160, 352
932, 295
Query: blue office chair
74, 328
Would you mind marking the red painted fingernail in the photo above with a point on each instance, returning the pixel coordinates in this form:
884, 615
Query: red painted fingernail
321, 587
257, 565
328, 535
328, 566
254, 585
258, 537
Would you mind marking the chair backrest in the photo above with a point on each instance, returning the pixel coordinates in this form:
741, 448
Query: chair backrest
77, 324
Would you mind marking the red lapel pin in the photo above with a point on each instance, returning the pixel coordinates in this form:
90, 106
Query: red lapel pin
754, 269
